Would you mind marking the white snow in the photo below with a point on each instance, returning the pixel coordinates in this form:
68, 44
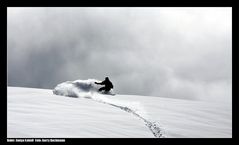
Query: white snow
84, 113
40, 113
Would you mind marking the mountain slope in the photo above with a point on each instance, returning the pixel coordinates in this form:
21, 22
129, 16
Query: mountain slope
40, 113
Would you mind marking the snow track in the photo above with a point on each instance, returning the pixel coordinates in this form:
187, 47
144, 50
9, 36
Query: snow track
153, 126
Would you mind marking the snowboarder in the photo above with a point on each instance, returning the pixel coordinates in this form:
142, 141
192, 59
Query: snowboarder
108, 85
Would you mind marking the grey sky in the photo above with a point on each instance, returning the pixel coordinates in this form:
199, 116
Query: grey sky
168, 52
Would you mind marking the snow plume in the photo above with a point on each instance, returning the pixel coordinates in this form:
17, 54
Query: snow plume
78, 88
88, 89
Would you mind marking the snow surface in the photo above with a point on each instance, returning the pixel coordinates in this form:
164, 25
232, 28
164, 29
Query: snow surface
79, 111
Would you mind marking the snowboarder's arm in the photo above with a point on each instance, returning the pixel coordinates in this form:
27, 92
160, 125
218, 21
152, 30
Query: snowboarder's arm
101, 83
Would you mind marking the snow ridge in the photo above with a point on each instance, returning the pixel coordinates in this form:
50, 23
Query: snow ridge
88, 89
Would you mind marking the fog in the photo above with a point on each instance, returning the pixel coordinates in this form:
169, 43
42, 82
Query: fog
183, 53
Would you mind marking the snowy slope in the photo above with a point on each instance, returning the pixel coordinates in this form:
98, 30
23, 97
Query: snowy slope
40, 113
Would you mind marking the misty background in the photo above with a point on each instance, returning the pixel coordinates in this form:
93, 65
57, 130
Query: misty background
183, 53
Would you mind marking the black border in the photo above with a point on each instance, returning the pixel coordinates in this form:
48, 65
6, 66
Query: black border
235, 72
3, 62
85, 3
121, 3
